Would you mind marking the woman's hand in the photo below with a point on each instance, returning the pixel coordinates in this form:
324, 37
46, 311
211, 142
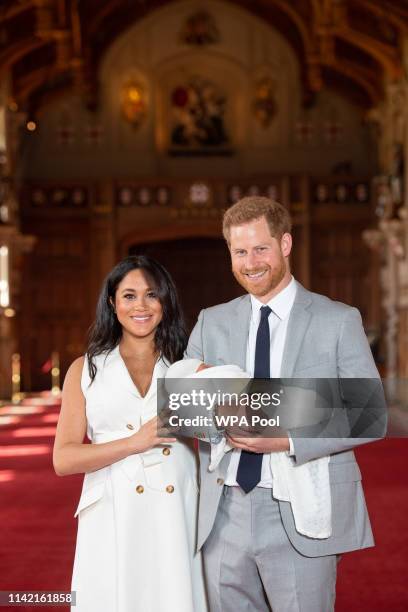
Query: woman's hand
148, 437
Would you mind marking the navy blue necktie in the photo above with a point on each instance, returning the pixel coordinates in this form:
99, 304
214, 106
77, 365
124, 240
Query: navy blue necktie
250, 464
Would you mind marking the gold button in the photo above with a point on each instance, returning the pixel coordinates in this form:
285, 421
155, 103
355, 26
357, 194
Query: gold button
170, 489
166, 451
139, 489
220, 481
129, 426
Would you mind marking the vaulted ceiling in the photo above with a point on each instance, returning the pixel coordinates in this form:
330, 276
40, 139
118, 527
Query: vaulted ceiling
47, 46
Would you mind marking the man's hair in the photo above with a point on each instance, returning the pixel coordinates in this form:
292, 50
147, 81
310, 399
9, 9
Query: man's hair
253, 208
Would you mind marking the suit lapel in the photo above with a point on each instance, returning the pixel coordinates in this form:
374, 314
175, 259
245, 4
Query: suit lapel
238, 331
297, 325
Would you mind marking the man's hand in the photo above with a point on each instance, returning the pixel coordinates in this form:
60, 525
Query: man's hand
260, 445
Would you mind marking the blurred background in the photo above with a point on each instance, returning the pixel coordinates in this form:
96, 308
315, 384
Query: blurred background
128, 126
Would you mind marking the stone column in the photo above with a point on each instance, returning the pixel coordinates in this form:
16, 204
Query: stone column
390, 238
13, 246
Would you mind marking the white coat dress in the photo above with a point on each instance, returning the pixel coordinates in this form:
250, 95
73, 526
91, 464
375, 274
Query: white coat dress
137, 518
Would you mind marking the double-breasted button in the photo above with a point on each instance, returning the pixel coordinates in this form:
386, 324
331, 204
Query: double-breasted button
220, 481
129, 426
139, 489
166, 451
170, 489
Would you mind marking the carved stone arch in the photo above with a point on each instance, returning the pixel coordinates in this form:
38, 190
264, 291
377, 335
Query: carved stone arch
296, 32
18, 51
390, 62
35, 81
400, 23
301, 26
355, 76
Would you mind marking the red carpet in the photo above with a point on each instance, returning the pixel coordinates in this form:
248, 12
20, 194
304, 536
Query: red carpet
36, 514
37, 527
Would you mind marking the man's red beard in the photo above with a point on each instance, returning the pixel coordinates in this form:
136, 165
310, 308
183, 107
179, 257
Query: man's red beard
265, 285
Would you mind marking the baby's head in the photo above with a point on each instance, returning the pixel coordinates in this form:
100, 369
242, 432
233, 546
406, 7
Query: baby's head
203, 366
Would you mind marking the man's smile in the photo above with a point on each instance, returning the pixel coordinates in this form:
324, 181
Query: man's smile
255, 275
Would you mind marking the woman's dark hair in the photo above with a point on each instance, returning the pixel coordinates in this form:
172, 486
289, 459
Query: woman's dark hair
106, 331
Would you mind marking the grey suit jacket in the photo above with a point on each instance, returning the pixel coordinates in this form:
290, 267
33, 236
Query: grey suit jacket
325, 339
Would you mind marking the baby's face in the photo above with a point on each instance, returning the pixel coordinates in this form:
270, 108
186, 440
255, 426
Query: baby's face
203, 366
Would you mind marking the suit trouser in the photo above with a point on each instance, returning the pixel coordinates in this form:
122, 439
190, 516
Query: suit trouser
251, 565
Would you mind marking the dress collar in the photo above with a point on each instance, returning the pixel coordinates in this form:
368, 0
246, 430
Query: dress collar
159, 371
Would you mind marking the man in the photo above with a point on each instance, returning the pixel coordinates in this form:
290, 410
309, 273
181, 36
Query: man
254, 557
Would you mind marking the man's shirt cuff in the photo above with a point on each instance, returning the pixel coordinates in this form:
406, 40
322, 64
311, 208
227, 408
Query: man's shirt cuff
291, 451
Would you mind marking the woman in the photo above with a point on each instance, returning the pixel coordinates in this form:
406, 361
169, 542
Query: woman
137, 512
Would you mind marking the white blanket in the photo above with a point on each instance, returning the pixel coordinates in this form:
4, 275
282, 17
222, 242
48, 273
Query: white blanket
306, 487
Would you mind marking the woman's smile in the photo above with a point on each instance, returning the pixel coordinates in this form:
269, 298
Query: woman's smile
141, 318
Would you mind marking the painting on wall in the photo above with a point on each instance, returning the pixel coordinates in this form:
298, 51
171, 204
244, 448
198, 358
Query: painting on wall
198, 109
264, 104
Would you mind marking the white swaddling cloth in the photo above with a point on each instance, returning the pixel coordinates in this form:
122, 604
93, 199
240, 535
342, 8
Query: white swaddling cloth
306, 487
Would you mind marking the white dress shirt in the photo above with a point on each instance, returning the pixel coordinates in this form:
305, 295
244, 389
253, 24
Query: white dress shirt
281, 306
